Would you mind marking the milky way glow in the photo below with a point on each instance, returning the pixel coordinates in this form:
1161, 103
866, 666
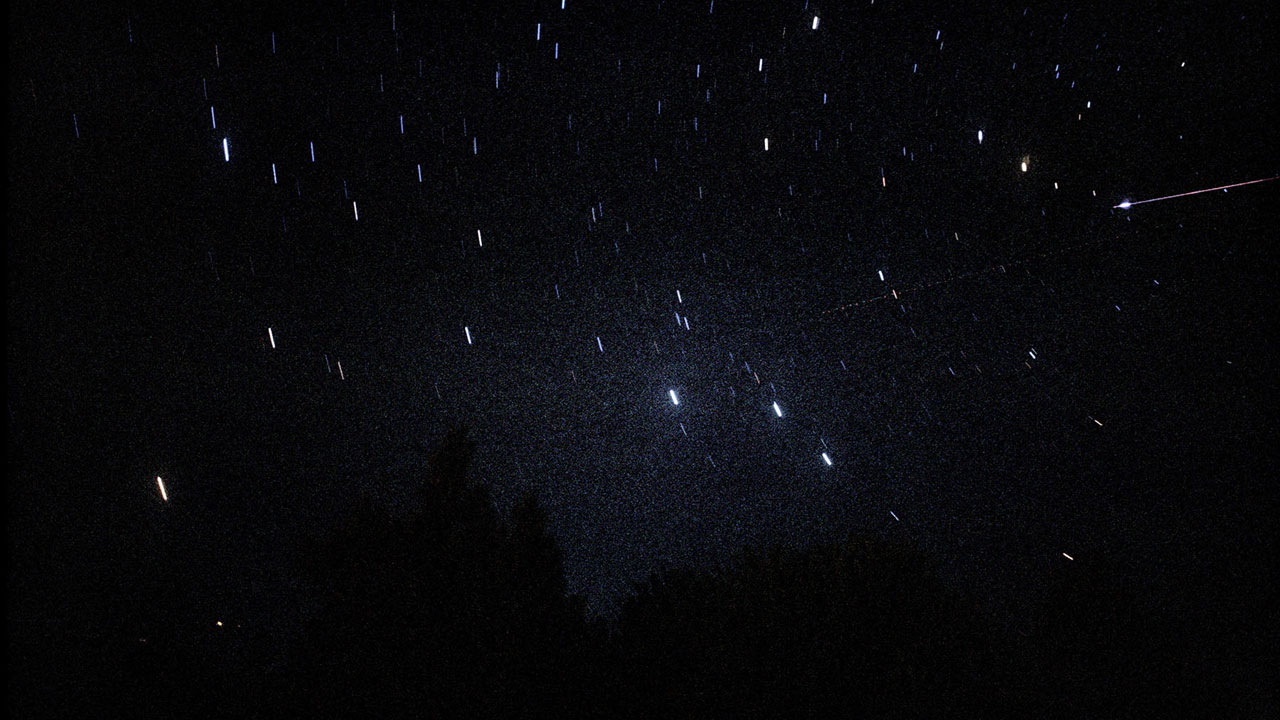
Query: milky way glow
1130, 203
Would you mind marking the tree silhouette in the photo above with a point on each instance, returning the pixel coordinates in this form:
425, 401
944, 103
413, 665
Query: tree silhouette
450, 610
453, 610
853, 630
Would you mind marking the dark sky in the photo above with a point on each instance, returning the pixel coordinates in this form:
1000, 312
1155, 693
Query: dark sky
566, 214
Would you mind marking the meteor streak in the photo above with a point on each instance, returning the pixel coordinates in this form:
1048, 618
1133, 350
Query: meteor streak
1128, 204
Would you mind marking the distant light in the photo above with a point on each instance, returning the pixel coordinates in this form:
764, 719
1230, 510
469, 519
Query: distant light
979, 137
881, 273
675, 400
479, 238
271, 336
163, 495
355, 209
1067, 556
274, 180
313, 152
826, 458
815, 22
467, 330
226, 149
766, 144
1124, 205
219, 623
777, 410
1024, 166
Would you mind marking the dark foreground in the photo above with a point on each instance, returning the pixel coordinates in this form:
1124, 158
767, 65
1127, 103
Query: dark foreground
454, 610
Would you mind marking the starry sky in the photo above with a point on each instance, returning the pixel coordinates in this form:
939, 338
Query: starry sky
872, 249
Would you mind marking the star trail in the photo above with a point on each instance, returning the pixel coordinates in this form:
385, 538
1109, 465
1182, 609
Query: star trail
697, 276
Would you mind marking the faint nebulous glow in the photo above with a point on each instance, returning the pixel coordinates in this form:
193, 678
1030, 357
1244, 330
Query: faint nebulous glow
272, 337
163, 495
675, 400
826, 458
777, 410
467, 330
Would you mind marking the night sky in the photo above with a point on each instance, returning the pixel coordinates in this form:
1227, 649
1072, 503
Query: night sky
873, 249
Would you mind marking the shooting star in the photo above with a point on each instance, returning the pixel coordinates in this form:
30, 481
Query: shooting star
1130, 203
